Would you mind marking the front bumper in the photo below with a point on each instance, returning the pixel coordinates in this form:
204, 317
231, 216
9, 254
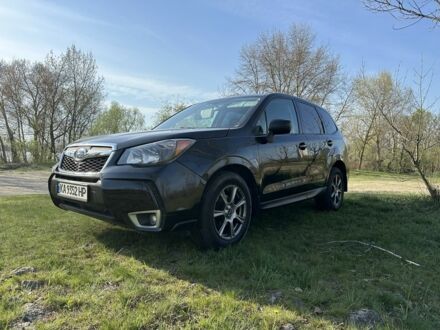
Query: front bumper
125, 195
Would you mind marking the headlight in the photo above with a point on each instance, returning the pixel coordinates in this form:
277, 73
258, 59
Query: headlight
156, 152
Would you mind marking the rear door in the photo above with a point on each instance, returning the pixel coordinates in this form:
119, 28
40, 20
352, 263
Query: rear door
332, 140
316, 151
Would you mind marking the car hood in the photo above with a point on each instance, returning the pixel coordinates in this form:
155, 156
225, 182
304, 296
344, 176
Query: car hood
125, 140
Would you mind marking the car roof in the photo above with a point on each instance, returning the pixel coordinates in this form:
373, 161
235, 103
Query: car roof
266, 95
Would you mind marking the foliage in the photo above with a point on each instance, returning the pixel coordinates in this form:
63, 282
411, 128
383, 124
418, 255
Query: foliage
167, 110
99, 275
373, 96
117, 119
393, 128
291, 63
51, 103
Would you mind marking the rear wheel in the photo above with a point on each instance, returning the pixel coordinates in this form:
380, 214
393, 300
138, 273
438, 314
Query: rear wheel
333, 196
226, 212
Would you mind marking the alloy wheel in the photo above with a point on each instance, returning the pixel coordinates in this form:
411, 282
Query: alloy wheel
336, 190
230, 210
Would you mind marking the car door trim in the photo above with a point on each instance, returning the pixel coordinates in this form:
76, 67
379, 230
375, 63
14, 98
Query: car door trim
292, 198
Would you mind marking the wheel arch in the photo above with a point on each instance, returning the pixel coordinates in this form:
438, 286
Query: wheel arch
246, 173
339, 164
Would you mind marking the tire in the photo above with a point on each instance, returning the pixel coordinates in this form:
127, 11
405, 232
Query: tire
226, 212
333, 196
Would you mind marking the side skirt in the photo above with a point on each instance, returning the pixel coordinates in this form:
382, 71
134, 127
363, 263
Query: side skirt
292, 199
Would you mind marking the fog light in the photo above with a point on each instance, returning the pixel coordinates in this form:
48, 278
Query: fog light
153, 220
147, 220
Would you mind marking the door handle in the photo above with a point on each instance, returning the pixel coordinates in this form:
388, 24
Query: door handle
329, 143
302, 146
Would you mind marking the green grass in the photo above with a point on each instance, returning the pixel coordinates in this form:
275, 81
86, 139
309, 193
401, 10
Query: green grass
45, 167
95, 275
389, 176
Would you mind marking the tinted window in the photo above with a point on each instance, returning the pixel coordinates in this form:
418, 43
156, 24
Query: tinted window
310, 121
327, 121
261, 126
282, 109
222, 113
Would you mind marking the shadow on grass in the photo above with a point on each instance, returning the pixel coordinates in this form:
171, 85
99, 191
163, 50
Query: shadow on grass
285, 258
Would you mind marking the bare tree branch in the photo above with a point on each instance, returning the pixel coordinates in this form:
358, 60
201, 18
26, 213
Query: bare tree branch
413, 10
288, 63
376, 247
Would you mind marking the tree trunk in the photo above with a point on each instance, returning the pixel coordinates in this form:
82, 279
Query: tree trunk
22, 139
361, 157
433, 191
364, 142
52, 142
378, 153
14, 154
364, 145
401, 160
3, 154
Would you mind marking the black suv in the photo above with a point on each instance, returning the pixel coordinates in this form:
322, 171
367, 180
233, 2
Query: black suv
209, 168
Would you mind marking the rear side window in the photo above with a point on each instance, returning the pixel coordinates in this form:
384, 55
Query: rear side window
327, 121
310, 121
282, 109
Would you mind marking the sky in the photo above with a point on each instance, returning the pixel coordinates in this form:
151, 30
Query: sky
151, 52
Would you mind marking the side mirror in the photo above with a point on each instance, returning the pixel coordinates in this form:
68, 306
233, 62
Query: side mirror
280, 126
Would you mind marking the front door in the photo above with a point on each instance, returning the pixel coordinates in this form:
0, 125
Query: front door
281, 159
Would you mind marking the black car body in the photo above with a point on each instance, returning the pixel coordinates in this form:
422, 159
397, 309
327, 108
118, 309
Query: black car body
283, 148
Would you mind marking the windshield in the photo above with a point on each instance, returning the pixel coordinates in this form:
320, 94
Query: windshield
223, 113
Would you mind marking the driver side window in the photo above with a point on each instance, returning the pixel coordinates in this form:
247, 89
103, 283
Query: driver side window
261, 126
282, 109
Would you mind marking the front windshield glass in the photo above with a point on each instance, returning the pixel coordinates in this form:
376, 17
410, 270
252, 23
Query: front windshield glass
223, 113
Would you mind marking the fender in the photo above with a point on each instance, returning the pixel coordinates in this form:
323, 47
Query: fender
223, 162
338, 156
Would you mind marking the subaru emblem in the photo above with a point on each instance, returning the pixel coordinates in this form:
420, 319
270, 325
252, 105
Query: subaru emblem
80, 153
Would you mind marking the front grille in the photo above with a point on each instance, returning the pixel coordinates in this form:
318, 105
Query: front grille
87, 165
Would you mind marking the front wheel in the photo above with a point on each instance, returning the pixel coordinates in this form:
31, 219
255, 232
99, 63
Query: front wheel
333, 196
226, 212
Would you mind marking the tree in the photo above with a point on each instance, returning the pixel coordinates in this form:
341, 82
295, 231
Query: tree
34, 107
117, 119
417, 127
344, 100
84, 92
54, 91
374, 96
167, 110
288, 63
413, 10
46, 104
4, 119
11, 100
410, 124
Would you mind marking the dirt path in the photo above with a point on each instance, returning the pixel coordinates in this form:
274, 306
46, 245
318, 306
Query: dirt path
20, 183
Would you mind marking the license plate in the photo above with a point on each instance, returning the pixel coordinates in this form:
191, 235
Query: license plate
72, 191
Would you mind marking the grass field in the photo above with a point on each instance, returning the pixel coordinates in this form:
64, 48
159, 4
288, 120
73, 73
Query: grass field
88, 274
374, 182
